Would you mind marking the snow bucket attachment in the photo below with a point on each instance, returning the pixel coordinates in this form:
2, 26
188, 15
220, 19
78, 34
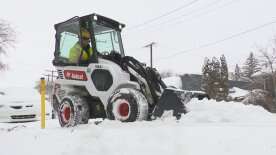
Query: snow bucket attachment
172, 99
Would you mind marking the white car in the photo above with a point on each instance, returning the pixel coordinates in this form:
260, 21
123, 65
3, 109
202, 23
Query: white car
19, 104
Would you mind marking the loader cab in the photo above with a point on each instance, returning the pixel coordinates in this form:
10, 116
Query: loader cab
104, 40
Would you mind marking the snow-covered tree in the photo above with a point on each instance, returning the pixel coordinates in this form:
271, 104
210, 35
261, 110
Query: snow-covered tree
7, 40
268, 61
215, 78
223, 88
237, 74
206, 70
216, 68
251, 66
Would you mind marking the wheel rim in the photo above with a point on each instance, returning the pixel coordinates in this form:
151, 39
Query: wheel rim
66, 113
123, 109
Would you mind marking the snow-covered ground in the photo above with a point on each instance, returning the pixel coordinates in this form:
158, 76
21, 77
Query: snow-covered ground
209, 128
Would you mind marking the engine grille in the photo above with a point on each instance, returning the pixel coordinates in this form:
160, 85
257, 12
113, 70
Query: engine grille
22, 116
60, 74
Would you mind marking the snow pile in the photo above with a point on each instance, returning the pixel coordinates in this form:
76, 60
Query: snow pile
209, 111
174, 81
237, 92
209, 128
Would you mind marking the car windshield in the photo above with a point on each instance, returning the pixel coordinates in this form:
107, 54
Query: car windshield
107, 39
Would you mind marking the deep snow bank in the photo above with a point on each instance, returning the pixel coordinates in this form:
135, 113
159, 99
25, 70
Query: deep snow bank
210, 111
209, 128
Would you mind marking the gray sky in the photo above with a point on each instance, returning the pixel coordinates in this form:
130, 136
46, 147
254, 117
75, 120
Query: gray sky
197, 23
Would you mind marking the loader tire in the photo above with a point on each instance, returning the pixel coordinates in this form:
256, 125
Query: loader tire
127, 105
73, 110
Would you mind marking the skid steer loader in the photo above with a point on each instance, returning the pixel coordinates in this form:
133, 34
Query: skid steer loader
109, 84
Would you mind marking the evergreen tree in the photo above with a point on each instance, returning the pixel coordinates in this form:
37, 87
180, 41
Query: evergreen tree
215, 78
210, 74
251, 66
206, 69
216, 68
223, 89
237, 74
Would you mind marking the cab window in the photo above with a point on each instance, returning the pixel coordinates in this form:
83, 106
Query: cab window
67, 41
67, 36
107, 39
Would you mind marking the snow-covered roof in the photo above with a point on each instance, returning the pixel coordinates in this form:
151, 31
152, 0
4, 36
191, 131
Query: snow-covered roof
173, 81
263, 72
238, 92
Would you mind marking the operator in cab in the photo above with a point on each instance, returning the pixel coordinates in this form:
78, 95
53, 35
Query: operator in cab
81, 52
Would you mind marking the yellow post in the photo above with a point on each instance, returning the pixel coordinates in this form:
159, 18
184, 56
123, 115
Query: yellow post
42, 107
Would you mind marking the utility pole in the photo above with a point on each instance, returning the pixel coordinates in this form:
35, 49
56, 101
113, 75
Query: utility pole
48, 77
52, 74
47, 82
49, 87
150, 46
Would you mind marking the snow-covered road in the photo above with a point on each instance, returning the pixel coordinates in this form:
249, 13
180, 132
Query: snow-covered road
209, 128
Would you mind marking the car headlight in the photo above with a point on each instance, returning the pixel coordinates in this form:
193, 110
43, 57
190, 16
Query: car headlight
2, 105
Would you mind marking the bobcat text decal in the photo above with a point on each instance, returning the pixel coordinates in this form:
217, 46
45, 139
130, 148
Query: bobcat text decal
75, 75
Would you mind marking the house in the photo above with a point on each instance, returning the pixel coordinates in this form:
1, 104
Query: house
193, 82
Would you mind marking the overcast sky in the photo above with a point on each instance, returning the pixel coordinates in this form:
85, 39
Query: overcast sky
185, 31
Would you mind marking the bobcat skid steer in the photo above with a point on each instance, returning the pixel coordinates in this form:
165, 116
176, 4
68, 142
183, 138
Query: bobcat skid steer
109, 84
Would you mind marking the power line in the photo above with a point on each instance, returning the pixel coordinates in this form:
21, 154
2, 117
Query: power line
208, 5
221, 40
162, 16
197, 12
190, 12
209, 11
202, 10
50, 75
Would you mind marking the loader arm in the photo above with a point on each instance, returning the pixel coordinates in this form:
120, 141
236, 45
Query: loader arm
146, 77
164, 98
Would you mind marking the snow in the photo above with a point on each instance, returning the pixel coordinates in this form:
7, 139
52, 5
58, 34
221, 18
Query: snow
237, 92
209, 128
264, 72
173, 81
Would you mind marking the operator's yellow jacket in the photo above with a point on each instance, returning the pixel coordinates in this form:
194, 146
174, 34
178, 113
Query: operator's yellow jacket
75, 53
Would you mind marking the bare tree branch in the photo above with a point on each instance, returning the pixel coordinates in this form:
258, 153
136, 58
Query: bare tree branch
7, 40
268, 61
